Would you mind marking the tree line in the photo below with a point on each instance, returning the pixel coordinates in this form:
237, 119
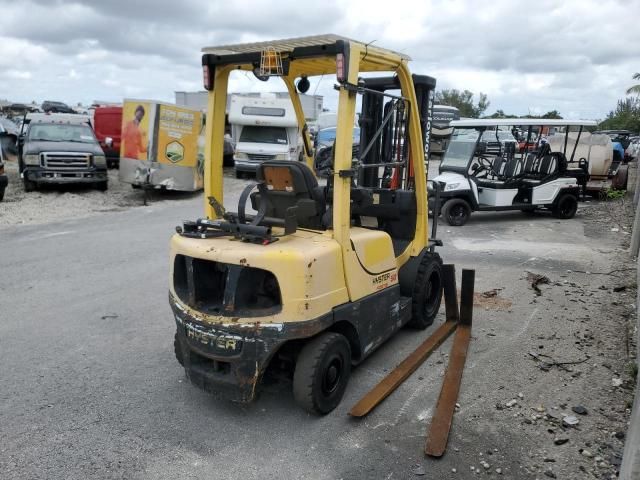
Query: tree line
625, 116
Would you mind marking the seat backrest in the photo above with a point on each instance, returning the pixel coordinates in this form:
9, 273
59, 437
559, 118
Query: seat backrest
497, 166
510, 168
292, 184
548, 165
530, 163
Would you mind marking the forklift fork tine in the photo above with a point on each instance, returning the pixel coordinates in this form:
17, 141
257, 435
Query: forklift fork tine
438, 433
409, 365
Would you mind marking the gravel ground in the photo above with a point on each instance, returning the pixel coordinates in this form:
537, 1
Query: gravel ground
51, 203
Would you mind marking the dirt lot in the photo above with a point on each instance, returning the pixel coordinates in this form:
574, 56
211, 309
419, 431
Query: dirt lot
106, 398
52, 203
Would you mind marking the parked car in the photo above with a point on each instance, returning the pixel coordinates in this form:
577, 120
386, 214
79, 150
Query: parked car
8, 135
4, 180
323, 158
49, 106
107, 125
60, 149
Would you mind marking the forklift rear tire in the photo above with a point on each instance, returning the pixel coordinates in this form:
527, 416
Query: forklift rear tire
177, 349
566, 206
427, 292
456, 211
322, 373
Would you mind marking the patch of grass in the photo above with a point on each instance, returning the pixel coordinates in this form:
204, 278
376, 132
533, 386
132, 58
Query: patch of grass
614, 194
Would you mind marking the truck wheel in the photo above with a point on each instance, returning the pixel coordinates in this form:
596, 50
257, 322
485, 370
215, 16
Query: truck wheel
2, 194
102, 186
29, 186
322, 373
427, 292
566, 206
177, 349
456, 212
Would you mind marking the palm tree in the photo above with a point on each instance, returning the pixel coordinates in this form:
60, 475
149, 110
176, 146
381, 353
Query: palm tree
635, 88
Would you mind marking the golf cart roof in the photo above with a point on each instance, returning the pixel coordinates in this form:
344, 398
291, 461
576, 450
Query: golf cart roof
492, 122
314, 55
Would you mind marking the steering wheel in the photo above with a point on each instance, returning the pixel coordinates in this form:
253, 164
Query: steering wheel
484, 165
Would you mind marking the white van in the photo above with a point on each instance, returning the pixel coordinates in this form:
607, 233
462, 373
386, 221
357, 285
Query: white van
264, 128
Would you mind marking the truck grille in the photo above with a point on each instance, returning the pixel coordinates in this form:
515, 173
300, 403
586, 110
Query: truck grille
256, 157
66, 160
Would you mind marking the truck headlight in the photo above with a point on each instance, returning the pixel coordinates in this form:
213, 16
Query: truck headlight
32, 159
282, 156
451, 186
240, 156
99, 161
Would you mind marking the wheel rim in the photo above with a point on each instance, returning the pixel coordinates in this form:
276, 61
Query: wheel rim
332, 376
458, 212
433, 288
566, 208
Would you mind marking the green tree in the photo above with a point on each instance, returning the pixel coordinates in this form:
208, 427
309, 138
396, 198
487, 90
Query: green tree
553, 114
635, 88
463, 101
626, 116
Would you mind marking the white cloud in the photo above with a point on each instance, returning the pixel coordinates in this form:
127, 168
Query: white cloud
574, 56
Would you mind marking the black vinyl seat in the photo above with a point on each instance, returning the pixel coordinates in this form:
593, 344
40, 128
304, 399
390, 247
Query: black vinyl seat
291, 184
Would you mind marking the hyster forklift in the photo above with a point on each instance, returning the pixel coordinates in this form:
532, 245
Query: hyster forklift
309, 277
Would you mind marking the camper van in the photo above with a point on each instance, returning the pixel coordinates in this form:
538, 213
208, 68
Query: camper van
264, 128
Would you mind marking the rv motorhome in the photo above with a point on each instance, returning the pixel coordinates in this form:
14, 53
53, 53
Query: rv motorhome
264, 128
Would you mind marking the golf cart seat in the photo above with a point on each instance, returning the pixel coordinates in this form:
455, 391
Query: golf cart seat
543, 168
291, 184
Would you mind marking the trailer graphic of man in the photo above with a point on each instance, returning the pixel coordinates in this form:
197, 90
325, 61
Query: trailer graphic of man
134, 137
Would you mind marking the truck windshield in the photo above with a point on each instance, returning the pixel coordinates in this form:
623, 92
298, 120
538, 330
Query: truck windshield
54, 132
460, 149
255, 134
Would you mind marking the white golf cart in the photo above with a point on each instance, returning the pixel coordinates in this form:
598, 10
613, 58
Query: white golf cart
508, 164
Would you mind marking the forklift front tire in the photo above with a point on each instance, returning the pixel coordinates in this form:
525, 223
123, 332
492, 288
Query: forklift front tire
322, 373
427, 292
566, 206
456, 212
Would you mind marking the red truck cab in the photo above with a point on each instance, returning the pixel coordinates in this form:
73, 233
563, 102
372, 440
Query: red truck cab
107, 123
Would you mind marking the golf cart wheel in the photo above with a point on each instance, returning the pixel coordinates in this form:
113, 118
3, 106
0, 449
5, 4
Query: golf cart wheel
322, 373
566, 206
177, 349
427, 292
456, 212
29, 186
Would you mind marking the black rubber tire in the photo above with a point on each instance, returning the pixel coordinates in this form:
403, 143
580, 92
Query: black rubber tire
322, 373
103, 186
239, 174
456, 212
227, 161
2, 194
427, 292
177, 349
29, 186
565, 207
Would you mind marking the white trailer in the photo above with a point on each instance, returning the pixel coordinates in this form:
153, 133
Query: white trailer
264, 128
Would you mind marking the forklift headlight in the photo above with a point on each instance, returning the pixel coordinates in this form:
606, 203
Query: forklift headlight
99, 161
451, 186
32, 159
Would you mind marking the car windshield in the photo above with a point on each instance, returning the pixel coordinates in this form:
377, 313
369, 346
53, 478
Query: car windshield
254, 134
61, 133
461, 147
328, 135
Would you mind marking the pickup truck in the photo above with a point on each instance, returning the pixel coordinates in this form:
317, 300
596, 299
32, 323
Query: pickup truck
60, 149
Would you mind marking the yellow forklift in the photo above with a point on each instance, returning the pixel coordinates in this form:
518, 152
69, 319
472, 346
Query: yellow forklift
306, 277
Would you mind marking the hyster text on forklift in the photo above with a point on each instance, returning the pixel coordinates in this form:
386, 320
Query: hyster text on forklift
318, 277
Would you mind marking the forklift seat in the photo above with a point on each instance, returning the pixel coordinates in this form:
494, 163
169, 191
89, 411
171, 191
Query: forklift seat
291, 184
